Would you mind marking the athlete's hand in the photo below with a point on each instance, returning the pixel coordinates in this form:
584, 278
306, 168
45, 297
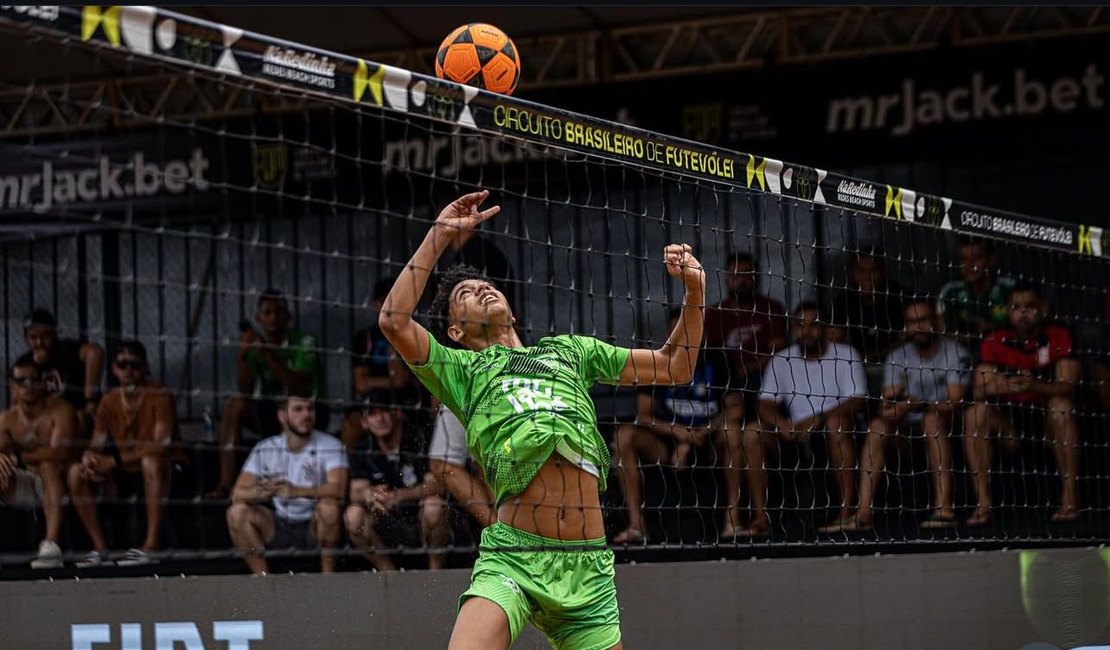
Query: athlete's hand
681, 264
462, 215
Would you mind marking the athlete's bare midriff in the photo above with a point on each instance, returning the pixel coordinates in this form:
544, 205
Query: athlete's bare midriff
561, 502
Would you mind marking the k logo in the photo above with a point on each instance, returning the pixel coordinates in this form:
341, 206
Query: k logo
270, 163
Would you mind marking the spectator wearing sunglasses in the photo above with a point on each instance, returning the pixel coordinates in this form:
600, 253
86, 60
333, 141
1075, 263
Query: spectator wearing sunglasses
36, 436
135, 440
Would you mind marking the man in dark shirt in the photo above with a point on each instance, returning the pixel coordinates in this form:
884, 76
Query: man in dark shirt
673, 421
1025, 381
393, 502
376, 366
870, 315
70, 368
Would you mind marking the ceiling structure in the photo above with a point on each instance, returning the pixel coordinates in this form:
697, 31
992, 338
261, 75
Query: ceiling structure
48, 89
582, 45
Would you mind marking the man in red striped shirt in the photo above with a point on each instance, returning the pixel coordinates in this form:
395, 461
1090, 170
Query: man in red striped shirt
1026, 381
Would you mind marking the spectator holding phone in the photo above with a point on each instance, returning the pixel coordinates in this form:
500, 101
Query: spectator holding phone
270, 360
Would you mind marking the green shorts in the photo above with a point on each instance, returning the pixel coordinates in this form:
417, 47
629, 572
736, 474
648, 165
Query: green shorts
569, 594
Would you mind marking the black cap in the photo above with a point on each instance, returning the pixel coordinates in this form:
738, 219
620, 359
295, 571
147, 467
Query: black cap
39, 317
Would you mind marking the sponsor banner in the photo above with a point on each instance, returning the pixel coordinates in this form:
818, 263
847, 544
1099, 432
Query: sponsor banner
167, 171
894, 108
94, 175
977, 220
153, 32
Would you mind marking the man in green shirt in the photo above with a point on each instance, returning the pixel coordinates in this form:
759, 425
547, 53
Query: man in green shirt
270, 362
979, 301
531, 425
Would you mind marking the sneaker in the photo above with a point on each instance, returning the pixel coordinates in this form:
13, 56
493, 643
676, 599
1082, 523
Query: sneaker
135, 557
49, 557
91, 559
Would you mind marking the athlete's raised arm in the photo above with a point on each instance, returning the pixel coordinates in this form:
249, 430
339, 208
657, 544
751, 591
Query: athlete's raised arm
408, 337
674, 362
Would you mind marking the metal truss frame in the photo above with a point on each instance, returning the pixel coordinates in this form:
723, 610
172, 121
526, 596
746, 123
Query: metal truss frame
742, 41
754, 39
136, 100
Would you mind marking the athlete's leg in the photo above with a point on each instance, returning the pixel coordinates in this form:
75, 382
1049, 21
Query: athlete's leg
481, 625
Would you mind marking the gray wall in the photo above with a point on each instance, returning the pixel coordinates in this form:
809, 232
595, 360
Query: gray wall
1034, 600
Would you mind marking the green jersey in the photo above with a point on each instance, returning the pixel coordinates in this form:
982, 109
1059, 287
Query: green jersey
297, 353
520, 405
962, 310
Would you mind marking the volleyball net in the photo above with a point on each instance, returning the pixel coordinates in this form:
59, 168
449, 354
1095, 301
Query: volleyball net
161, 174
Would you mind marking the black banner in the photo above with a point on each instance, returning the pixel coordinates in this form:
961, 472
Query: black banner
894, 108
233, 52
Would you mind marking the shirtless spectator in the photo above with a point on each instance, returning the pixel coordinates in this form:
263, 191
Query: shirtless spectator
36, 436
70, 368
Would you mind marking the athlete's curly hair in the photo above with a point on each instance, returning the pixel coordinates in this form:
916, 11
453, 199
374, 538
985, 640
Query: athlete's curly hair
441, 304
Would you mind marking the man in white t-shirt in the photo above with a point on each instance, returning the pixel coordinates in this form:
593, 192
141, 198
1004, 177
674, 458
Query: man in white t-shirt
924, 382
813, 386
290, 489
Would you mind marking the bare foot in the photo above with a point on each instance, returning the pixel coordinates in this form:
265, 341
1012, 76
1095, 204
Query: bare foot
631, 536
857, 525
981, 516
1066, 513
759, 527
